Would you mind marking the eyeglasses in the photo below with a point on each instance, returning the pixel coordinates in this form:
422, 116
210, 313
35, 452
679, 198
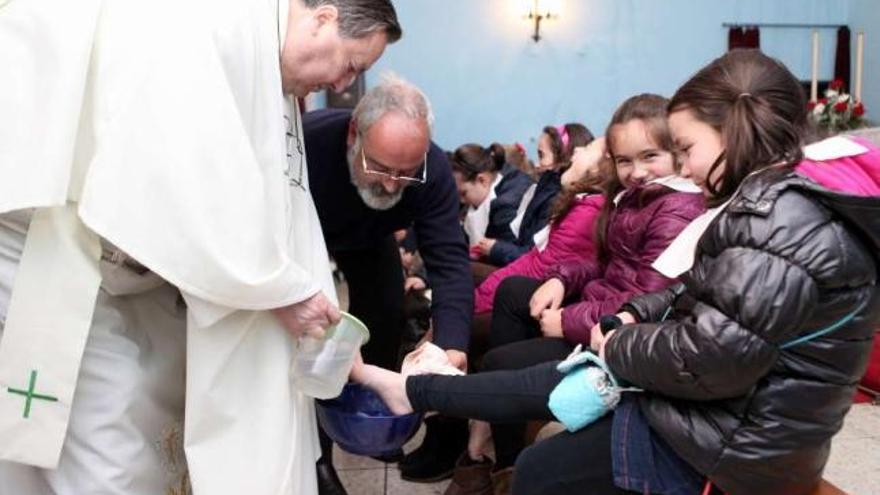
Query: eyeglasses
373, 168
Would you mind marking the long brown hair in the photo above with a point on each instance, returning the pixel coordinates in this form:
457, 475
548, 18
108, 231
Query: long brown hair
757, 106
651, 110
593, 183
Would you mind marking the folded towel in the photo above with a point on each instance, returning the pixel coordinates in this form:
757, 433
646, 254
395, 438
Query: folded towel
428, 359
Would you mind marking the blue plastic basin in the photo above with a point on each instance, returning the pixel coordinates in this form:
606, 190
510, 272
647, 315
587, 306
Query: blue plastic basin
360, 422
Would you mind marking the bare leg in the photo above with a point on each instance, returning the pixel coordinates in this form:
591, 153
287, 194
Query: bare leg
480, 436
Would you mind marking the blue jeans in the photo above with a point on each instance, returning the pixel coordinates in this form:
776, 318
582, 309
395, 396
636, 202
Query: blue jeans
642, 461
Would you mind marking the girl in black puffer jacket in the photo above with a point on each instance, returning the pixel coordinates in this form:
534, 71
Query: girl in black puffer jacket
748, 366
756, 366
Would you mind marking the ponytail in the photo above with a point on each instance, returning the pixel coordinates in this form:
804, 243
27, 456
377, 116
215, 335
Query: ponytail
470, 160
499, 155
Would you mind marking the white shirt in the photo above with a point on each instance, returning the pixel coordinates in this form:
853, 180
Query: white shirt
477, 219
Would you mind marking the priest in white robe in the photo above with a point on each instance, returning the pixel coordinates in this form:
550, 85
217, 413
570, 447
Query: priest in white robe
157, 235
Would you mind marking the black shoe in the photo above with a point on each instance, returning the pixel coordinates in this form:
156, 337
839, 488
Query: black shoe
445, 440
432, 434
328, 481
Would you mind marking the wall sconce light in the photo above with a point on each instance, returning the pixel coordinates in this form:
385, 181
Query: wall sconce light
540, 10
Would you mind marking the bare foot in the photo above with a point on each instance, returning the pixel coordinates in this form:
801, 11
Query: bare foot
389, 385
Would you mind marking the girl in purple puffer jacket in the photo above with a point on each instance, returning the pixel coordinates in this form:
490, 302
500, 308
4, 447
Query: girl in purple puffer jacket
646, 206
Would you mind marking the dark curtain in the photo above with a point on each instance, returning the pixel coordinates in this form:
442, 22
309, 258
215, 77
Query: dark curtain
842, 57
743, 37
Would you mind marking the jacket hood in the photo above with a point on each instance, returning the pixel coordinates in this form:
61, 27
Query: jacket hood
848, 185
844, 177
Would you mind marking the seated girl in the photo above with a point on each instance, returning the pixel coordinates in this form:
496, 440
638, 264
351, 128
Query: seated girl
749, 366
492, 197
646, 206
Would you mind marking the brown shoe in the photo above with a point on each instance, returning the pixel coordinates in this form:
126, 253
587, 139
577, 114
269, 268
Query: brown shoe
502, 481
470, 477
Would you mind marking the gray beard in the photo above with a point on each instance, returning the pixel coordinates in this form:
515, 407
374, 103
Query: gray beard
373, 195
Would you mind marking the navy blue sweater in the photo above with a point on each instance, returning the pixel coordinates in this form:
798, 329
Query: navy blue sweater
502, 210
536, 217
430, 208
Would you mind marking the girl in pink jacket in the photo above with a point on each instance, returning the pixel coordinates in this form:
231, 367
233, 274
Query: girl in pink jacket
569, 236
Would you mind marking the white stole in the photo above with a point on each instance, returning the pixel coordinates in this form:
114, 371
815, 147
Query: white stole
231, 402
42, 164
50, 313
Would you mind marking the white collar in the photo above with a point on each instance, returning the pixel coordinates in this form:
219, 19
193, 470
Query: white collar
678, 183
833, 148
675, 182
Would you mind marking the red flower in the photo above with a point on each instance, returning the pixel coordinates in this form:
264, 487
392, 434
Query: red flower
823, 101
840, 107
836, 85
811, 105
858, 110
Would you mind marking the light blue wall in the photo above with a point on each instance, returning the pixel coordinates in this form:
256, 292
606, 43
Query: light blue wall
489, 81
865, 15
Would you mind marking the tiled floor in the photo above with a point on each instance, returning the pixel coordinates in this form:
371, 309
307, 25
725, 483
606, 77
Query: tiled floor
854, 464
855, 453
365, 476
